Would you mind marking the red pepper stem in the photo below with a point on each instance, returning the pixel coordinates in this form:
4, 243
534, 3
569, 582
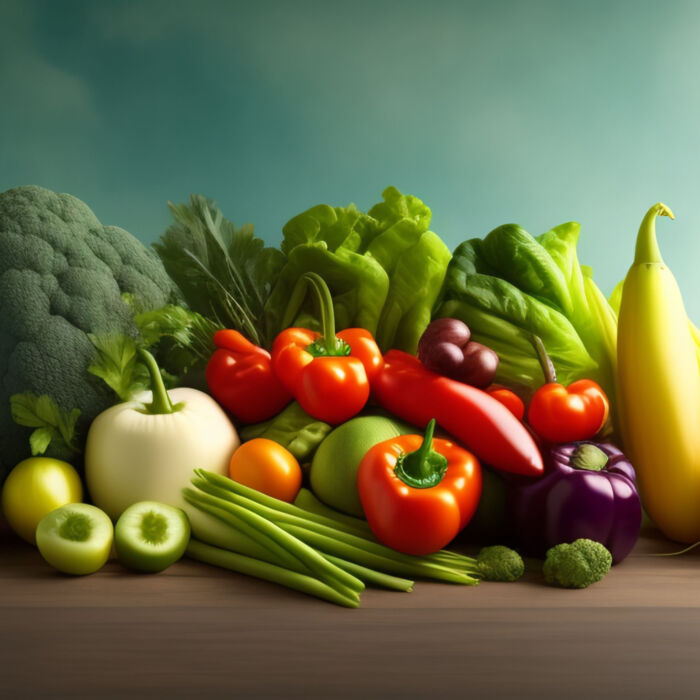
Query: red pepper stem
328, 344
550, 374
425, 467
327, 312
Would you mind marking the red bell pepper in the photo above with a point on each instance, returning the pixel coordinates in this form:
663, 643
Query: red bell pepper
561, 413
327, 373
407, 389
240, 378
416, 498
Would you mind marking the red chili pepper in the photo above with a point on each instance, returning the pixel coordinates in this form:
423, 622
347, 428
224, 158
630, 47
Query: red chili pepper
561, 413
327, 373
416, 498
509, 399
240, 378
410, 391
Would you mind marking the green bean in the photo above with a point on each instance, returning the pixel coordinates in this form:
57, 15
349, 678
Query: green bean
320, 566
405, 561
449, 558
280, 510
308, 502
377, 561
268, 572
216, 528
274, 503
372, 576
258, 540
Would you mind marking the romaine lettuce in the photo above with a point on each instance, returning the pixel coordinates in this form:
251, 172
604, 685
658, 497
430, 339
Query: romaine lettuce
510, 285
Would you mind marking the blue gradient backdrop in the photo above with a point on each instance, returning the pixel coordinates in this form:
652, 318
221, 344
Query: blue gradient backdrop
534, 112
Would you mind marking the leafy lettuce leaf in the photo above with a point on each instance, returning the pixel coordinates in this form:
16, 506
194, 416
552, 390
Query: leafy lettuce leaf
511, 284
384, 268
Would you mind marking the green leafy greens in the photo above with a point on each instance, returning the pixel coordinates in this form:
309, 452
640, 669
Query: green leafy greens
183, 340
511, 284
384, 268
224, 273
52, 425
117, 363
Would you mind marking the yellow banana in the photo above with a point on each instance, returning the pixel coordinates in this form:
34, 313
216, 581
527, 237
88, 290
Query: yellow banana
614, 302
695, 332
658, 379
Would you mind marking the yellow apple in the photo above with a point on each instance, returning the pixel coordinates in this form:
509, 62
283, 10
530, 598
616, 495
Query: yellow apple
34, 488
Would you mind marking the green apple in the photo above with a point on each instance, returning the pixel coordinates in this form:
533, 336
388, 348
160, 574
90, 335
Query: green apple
334, 467
150, 536
75, 538
34, 488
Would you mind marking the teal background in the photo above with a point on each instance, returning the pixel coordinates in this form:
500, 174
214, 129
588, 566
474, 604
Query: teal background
533, 112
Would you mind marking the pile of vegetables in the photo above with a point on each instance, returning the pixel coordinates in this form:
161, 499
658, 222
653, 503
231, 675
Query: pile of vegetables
349, 409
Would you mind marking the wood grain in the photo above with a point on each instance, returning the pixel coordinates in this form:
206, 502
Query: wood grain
194, 630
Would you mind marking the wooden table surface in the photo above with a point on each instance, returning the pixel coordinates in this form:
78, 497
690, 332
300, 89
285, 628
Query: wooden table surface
197, 631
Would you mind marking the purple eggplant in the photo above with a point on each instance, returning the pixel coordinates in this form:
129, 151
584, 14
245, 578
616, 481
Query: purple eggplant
446, 348
589, 491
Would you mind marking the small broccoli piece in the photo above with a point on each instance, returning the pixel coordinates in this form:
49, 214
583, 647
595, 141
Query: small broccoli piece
499, 563
576, 565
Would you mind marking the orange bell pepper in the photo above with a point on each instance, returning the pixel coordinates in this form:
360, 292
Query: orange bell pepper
417, 499
327, 373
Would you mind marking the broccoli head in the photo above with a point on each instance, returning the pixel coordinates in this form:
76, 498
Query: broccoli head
499, 563
62, 274
576, 565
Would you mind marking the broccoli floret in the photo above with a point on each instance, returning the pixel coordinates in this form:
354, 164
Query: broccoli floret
62, 274
499, 563
576, 565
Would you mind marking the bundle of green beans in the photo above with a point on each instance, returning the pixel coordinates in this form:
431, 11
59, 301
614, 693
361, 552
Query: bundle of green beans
241, 529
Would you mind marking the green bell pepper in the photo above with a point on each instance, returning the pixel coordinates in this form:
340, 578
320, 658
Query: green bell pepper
292, 428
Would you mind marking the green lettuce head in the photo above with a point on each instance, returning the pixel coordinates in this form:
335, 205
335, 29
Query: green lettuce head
511, 284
